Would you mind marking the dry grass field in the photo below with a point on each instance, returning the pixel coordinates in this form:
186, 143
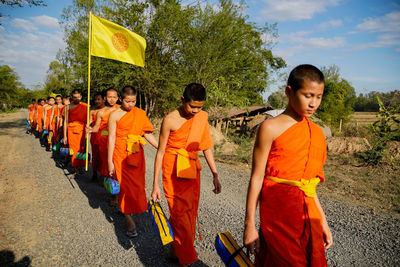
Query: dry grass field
364, 118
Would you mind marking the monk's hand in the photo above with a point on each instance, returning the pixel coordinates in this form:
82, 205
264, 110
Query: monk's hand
88, 129
217, 184
65, 140
111, 169
251, 239
328, 240
156, 194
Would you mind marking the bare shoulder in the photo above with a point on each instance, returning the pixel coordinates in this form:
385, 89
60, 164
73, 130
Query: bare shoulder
116, 115
170, 118
274, 127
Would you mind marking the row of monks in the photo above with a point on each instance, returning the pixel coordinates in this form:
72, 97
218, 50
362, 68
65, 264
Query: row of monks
118, 133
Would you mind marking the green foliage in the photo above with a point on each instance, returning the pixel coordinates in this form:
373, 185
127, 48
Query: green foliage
338, 99
385, 130
11, 89
278, 99
215, 46
369, 102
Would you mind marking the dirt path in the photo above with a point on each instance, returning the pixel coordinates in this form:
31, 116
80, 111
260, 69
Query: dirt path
48, 219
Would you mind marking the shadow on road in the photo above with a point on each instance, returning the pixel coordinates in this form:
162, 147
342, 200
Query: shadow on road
7, 258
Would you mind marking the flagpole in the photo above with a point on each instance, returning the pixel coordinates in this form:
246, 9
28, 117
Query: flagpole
88, 99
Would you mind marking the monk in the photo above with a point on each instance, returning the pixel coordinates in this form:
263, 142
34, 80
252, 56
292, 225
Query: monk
127, 126
288, 156
74, 128
47, 110
99, 102
55, 114
29, 118
184, 132
39, 116
30, 111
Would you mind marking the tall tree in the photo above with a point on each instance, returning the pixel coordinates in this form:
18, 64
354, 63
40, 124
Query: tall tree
338, 99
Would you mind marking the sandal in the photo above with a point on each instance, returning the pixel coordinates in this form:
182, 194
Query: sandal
132, 233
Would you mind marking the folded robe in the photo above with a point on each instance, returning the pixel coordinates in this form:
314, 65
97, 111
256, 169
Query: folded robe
290, 223
76, 132
183, 194
132, 195
102, 141
39, 118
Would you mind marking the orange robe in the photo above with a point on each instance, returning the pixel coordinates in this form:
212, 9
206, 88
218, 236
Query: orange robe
103, 143
290, 223
132, 195
48, 114
60, 126
95, 148
39, 117
54, 123
31, 113
77, 118
183, 194
33, 118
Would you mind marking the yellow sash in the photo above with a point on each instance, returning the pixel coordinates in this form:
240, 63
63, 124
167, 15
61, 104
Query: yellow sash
133, 143
187, 163
307, 186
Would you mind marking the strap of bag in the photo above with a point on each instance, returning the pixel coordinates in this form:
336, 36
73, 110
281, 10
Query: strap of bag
158, 215
236, 253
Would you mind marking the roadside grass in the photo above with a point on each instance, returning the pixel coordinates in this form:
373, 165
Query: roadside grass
376, 187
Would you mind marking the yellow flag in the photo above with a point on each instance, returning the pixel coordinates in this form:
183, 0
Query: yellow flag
109, 40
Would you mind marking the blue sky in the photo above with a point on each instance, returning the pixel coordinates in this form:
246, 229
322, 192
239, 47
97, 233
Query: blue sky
361, 37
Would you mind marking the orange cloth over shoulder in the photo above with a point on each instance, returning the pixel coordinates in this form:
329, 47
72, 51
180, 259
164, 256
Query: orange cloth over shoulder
39, 117
31, 112
290, 223
102, 140
95, 147
48, 114
183, 194
77, 118
130, 168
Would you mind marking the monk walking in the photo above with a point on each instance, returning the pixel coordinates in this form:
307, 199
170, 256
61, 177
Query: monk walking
39, 116
74, 128
30, 114
47, 110
94, 137
54, 118
127, 126
288, 156
184, 132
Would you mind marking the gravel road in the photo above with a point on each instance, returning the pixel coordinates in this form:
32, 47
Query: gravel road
46, 218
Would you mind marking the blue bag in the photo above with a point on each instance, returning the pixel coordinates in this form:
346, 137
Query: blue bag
230, 252
160, 223
111, 185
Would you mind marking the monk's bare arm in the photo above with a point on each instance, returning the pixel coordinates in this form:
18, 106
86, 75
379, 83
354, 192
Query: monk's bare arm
208, 154
45, 117
261, 149
96, 125
51, 118
112, 126
151, 139
162, 144
66, 111
328, 239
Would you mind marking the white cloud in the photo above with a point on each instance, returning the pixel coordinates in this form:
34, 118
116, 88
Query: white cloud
45, 21
334, 23
388, 23
388, 28
294, 10
30, 52
23, 24
300, 41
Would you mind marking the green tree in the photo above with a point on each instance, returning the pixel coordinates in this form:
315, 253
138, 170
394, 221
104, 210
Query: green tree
278, 99
57, 79
338, 99
217, 47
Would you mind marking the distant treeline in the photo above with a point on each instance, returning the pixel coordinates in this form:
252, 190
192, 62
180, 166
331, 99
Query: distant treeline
369, 102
